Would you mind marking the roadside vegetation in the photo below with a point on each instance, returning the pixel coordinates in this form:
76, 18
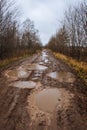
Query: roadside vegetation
12, 60
71, 38
16, 40
79, 66
70, 41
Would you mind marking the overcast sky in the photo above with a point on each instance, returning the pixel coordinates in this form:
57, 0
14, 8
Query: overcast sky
46, 14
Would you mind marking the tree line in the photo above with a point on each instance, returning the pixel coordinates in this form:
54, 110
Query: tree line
71, 38
16, 40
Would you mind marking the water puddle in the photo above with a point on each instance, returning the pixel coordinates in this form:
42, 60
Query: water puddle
46, 60
36, 67
41, 63
38, 73
62, 76
48, 100
17, 73
44, 54
24, 84
23, 73
40, 67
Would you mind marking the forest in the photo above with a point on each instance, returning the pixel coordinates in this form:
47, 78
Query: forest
20, 39
15, 39
71, 37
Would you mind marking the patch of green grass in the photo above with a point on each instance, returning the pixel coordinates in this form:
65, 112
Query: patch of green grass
78, 66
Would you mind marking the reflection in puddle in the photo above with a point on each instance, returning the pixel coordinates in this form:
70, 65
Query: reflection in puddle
44, 54
23, 73
17, 73
41, 63
47, 99
46, 61
24, 84
44, 57
62, 76
38, 73
36, 67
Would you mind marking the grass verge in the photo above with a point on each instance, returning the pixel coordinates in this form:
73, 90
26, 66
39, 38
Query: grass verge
9, 61
78, 66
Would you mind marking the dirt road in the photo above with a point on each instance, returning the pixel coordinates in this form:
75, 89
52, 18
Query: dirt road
42, 93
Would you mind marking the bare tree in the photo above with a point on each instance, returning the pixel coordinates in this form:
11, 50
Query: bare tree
30, 38
72, 38
11, 42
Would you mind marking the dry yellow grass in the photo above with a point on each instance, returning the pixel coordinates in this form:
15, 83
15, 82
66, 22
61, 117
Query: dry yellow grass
11, 60
80, 67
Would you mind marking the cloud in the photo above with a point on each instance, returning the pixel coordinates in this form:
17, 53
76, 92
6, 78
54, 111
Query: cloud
46, 14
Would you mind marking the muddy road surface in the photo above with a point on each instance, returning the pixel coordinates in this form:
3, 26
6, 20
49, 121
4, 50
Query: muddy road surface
42, 93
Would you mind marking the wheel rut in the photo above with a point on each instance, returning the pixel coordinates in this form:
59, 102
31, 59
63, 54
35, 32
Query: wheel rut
41, 93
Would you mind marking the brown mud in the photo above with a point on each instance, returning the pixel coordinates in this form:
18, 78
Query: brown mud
42, 93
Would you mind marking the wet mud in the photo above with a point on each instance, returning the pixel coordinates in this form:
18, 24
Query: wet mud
62, 76
42, 93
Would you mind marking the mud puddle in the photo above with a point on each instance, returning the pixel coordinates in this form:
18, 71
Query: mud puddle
24, 71
43, 104
17, 73
38, 73
36, 67
46, 60
24, 84
44, 54
41, 63
62, 76
47, 99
